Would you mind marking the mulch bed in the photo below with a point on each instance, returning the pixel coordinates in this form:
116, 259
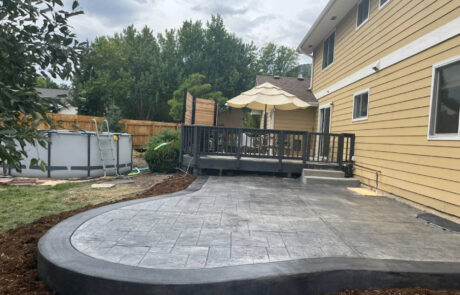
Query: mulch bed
18, 247
407, 291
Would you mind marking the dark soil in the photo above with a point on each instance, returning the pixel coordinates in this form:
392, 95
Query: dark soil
18, 247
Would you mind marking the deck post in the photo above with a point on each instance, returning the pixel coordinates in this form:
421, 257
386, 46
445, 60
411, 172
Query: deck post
280, 150
304, 148
307, 157
238, 149
352, 147
340, 151
196, 148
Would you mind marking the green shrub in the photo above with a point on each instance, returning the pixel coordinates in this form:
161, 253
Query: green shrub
165, 159
166, 135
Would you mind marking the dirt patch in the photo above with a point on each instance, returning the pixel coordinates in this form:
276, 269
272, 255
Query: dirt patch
407, 291
139, 160
18, 247
141, 182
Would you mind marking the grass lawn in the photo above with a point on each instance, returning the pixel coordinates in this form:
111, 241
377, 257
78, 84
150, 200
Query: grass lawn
23, 204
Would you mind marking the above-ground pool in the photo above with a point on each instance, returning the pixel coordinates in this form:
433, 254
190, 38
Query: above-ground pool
76, 154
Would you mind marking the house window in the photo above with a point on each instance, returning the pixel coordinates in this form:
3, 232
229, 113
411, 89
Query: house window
360, 105
445, 104
363, 13
328, 51
383, 3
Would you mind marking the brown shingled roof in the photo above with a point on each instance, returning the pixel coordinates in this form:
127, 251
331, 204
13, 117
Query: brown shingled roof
292, 85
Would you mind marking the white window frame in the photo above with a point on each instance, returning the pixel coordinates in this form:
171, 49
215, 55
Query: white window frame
357, 14
326, 105
384, 4
329, 65
353, 119
432, 115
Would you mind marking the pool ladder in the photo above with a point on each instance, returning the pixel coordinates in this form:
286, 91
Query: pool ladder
106, 146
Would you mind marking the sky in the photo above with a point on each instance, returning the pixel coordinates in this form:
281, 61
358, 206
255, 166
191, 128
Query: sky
283, 22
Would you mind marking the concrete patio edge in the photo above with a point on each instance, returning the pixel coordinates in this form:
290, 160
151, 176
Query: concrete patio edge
68, 271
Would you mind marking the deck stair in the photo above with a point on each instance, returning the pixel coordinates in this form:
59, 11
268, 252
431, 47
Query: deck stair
328, 177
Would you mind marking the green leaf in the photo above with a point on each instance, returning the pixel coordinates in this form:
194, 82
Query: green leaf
74, 5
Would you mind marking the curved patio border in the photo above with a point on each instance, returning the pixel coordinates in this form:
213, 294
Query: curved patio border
68, 271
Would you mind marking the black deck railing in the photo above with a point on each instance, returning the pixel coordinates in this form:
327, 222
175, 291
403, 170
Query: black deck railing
309, 147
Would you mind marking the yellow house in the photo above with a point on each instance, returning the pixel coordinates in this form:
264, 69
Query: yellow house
389, 71
296, 120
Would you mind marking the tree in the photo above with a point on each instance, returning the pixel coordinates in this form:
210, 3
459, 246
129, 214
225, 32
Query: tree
303, 69
34, 39
277, 60
113, 117
196, 85
129, 70
139, 72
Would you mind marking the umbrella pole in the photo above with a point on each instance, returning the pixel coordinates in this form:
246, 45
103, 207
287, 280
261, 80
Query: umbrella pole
265, 117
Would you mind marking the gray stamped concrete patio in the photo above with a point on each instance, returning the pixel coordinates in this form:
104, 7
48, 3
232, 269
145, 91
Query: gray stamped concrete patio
253, 220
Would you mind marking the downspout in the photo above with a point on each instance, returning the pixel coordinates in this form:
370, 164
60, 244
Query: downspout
377, 173
312, 67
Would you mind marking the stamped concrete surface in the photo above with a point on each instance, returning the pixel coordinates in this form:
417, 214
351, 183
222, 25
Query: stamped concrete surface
251, 220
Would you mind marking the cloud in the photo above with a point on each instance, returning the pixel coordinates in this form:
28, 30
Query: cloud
220, 8
261, 21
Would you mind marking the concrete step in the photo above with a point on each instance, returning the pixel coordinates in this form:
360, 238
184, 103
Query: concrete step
345, 182
323, 173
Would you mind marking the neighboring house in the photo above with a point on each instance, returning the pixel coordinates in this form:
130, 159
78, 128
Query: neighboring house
60, 94
231, 118
297, 120
389, 72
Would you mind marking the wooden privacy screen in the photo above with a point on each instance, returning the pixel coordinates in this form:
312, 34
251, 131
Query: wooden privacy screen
141, 130
199, 111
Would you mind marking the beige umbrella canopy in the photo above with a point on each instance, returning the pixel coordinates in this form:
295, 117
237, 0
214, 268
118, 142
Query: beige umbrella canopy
267, 97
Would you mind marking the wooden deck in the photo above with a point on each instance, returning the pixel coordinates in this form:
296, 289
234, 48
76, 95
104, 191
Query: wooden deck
256, 150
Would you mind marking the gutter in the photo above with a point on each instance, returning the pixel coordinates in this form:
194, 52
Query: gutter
315, 24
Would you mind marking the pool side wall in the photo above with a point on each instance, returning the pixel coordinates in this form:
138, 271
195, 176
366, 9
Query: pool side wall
74, 155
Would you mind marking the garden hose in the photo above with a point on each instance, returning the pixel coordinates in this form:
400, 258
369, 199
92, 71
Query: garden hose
161, 145
137, 171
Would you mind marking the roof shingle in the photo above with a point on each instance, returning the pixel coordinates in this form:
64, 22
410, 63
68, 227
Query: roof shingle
295, 86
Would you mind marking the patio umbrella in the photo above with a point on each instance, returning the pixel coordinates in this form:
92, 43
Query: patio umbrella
267, 97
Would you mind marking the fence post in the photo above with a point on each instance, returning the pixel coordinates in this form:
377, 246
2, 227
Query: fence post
196, 148
184, 106
215, 113
280, 150
193, 110
181, 145
340, 150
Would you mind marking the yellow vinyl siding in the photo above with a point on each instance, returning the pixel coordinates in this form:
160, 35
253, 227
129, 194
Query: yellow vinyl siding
269, 120
297, 120
394, 138
397, 24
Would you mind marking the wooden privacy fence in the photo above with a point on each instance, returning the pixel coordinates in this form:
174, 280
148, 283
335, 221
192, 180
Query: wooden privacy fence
198, 111
141, 130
